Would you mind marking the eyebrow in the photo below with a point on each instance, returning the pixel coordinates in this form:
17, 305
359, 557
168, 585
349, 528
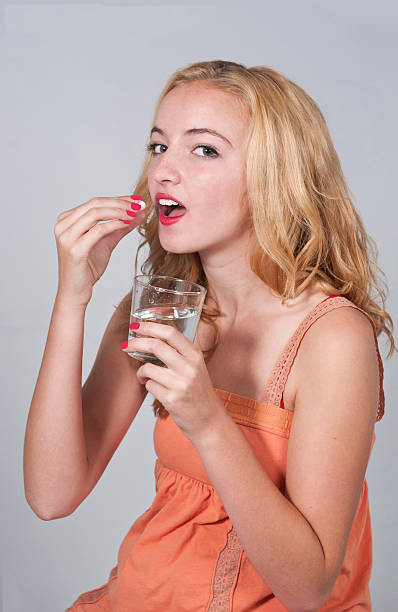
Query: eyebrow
195, 131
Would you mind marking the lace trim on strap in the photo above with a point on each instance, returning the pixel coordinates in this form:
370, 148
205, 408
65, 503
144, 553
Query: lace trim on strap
277, 380
225, 574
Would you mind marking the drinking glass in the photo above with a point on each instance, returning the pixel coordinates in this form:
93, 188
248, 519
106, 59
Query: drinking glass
165, 300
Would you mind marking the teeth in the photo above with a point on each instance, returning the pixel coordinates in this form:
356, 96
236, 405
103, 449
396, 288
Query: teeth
167, 202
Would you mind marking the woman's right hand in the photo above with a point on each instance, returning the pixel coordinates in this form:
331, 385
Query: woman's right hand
84, 246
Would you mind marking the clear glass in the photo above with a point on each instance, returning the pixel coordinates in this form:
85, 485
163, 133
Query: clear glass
165, 300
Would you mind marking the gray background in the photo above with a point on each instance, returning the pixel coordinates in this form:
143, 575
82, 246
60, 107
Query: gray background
80, 82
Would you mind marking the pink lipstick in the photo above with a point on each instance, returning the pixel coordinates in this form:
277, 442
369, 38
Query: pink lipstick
168, 215
168, 220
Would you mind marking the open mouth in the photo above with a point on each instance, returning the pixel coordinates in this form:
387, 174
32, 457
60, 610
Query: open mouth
175, 210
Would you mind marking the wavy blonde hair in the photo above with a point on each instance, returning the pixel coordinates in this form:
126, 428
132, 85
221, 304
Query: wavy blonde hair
304, 225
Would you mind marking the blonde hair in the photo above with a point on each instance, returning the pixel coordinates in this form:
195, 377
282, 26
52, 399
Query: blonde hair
304, 225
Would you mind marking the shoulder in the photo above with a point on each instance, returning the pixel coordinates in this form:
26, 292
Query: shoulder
341, 339
338, 348
342, 332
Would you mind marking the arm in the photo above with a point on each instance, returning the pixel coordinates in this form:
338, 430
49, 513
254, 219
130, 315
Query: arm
65, 445
72, 433
297, 542
55, 460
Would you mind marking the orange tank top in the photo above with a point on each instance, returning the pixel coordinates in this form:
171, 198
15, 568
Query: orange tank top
183, 553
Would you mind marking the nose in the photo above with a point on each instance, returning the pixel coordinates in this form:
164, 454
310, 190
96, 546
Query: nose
166, 167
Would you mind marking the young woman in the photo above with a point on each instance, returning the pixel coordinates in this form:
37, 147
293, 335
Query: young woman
265, 423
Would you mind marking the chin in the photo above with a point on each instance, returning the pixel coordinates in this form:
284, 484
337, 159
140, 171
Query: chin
177, 251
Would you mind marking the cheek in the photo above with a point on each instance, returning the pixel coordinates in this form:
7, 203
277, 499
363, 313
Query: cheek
219, 185
150, 177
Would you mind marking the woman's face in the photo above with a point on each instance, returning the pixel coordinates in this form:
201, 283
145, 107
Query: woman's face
204, 172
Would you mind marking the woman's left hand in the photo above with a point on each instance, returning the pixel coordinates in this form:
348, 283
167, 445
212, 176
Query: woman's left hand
183, 387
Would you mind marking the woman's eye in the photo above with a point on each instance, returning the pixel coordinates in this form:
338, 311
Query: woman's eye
213, 153
151, 147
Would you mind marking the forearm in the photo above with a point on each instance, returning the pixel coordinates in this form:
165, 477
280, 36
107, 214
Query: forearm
275, 536
55, 458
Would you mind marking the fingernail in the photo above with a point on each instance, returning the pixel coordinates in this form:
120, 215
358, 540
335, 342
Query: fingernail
130, 213
134, 325
138, 205
124, 344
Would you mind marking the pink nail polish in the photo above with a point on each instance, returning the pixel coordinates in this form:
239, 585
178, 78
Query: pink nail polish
124, 344
134, 325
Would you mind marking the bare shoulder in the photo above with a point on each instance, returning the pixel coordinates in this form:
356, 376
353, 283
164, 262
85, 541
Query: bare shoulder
341, 341
340, 326
350, 316
344, 328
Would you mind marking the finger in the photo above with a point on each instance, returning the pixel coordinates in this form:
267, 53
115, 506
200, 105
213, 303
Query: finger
74, 213
93, 201
91, 238
66, 220
150, 371
158, 391
166, 353
168, 333
74, 229
135, 203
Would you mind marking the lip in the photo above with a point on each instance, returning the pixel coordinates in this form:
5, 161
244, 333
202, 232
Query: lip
166, 196
162, 218
168, 220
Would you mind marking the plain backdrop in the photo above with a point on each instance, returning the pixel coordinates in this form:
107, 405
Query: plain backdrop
79, 87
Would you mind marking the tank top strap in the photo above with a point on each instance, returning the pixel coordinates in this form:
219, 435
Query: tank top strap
276, 383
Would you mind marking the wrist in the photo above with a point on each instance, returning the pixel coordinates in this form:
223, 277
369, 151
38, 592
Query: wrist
68, 303
215, 429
